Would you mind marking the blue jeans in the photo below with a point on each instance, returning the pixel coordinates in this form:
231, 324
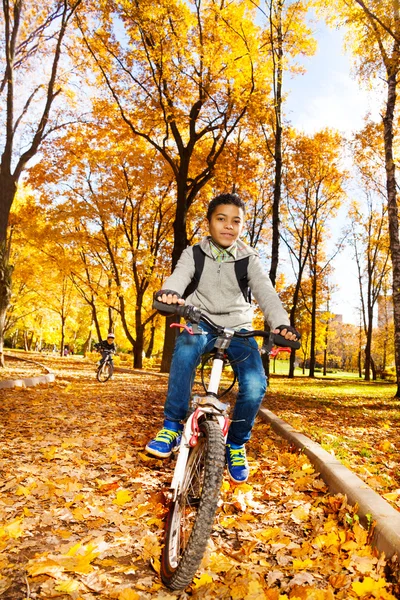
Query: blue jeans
244, 355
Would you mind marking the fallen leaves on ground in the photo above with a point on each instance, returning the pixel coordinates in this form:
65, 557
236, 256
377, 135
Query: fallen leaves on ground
82, 506
357, 421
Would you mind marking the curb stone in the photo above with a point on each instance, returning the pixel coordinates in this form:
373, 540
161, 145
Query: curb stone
339, 479
28, 381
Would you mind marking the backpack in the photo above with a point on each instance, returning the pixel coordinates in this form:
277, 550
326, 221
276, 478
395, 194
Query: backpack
240, 271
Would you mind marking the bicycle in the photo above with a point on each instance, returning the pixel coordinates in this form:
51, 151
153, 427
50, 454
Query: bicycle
105, 369
197, 478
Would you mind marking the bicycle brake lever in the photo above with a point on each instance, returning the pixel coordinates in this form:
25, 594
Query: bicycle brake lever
268, 345
186, 327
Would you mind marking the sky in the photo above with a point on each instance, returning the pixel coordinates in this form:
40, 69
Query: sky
327, 95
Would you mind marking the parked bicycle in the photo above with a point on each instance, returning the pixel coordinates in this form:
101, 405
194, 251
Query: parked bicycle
105, 369
197, 478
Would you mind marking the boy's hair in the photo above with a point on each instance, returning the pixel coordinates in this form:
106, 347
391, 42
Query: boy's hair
225, 199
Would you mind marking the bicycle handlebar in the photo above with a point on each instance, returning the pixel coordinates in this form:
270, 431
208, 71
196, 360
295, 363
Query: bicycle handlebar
193, 314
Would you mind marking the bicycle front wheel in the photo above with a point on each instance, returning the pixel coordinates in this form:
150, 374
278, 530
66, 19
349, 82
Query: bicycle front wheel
105, 371
191, 516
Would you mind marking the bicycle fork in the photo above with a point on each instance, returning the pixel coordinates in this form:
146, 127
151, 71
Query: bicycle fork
207, 405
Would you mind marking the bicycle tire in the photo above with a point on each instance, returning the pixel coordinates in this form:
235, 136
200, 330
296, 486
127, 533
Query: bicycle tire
191, 516
105, 371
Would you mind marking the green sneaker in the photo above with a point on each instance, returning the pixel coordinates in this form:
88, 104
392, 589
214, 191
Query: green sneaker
236, 460
166, 441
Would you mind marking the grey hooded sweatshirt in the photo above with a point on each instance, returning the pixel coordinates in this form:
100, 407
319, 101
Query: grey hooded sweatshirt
218, 294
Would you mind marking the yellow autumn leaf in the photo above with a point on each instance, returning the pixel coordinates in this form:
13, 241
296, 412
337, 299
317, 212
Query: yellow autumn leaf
391, 496
128, 594
22, 491
219, 563
156, 564
74, 549
49, 453
80, 564
368, 586
68, 586
13, 530
268, 534
155, 521
238, 589
122, 497
227, 522
225, 486
255, 591
145, 458
80, 513
349, 545
360, 534
385, 445
299, 564
308, 468
151, 547
202, 580
44, 566
300, 513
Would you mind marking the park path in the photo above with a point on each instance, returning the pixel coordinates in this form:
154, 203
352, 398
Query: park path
82, 506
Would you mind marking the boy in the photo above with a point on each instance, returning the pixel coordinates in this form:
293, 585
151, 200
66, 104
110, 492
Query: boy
218, 295
106, 346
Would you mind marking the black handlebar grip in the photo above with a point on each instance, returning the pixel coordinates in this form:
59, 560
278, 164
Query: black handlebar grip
163, 307
189, 312
279, 340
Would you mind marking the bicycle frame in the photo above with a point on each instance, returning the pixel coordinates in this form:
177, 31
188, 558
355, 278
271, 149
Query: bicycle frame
203, 406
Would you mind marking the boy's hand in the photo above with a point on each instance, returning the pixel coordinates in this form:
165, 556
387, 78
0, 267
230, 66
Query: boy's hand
169, 297
288, 332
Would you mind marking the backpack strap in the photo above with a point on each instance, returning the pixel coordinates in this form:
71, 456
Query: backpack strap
240, 271
199, 258
241, 276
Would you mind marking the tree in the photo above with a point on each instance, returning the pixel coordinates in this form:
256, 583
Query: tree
314, 191
113, 212
373, 28
33, 37
371, 250
191, 69
286, 35
369, 231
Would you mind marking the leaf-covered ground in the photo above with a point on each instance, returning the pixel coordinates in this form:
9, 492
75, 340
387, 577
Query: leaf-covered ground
82, 505
357, 421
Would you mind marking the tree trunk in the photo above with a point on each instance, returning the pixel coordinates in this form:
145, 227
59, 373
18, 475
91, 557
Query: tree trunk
87, 346
63, 319
313, 325
393, 216
277, 56
150, 347
180, 243
368, 345
373, 369
138, 348
7, 194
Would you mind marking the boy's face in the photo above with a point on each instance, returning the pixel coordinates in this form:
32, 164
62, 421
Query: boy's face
226, 224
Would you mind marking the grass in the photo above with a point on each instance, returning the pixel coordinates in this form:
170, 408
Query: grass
281, 367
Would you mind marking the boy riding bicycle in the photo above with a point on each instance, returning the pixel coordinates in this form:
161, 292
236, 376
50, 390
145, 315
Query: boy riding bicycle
106, 346
219, 295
